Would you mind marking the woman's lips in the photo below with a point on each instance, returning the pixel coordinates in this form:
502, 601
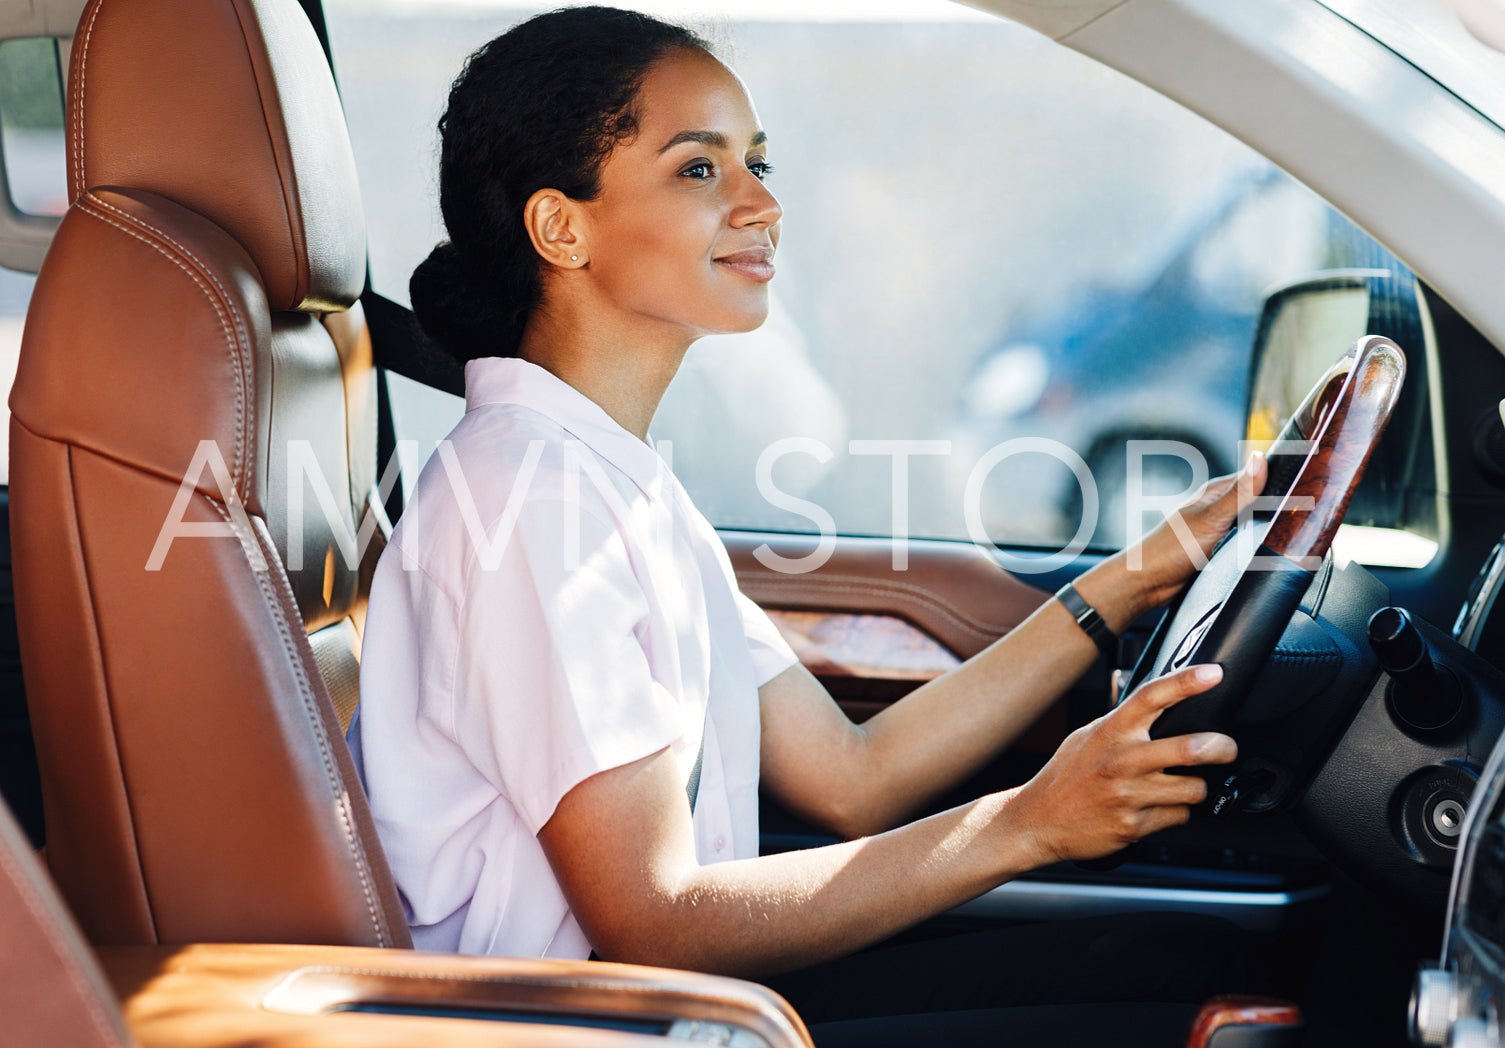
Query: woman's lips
754, 263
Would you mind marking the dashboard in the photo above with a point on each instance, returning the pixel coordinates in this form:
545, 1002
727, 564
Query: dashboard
1459, 1002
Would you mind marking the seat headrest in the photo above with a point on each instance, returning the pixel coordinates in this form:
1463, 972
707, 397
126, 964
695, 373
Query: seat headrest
228, 108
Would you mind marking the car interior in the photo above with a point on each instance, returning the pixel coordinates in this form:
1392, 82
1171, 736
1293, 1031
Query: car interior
187, 855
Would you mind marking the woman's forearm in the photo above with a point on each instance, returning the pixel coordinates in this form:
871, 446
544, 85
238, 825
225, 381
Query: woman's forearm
621, 844
762, 916
863, 779
948, 729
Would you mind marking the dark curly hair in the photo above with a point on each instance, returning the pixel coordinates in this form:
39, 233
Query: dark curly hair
541, 106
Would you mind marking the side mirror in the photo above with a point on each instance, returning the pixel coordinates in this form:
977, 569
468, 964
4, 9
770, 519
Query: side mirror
1304, 326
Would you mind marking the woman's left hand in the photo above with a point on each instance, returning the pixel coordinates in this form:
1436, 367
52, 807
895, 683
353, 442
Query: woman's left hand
1179, 546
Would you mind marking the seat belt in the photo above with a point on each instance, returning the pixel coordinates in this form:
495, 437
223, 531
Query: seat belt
692, 788
398, 344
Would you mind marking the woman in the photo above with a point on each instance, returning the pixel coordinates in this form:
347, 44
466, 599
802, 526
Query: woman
556, 652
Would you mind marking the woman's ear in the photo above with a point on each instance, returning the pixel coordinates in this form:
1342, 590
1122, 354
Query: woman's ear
554, 224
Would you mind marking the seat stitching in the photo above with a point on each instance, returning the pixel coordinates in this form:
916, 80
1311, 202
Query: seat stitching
855, 584
305, 692
33, 903
106, 456
76, 536
208, 271
241, 438
242, 432
78, 123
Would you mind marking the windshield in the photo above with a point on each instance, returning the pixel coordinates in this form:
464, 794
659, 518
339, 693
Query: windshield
1433, 39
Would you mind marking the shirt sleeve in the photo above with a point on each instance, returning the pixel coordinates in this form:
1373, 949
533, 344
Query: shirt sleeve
552, 681
771, 653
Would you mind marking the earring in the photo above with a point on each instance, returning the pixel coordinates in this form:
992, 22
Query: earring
574, 258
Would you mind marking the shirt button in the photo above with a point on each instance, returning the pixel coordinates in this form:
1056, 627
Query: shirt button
719, 843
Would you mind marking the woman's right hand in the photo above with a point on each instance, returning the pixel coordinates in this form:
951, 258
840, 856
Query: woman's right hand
1106, 787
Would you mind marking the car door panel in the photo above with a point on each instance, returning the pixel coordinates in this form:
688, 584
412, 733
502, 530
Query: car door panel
872, 632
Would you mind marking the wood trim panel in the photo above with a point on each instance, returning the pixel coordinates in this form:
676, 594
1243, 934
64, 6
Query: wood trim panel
953, 599
1221, 1012
844, 644
865, 661
868, 662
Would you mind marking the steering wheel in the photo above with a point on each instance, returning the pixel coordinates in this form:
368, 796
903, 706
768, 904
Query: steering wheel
1235, 612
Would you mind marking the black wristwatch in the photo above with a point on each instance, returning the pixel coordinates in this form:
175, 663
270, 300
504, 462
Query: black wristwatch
1087, 617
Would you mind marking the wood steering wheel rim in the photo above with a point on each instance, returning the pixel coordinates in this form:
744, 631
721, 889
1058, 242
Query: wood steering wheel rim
1316, 465
1343, 417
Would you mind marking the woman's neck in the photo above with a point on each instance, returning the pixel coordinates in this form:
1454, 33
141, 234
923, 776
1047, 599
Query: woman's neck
625, 371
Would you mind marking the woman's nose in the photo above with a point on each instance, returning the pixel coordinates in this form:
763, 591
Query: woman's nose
758, 205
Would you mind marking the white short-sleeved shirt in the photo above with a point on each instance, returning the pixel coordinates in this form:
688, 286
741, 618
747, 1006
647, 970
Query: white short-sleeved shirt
551, 605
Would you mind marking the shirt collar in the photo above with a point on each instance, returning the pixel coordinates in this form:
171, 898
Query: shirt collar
512, 380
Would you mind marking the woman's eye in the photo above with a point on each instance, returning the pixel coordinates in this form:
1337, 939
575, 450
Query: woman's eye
701, 170
761, 168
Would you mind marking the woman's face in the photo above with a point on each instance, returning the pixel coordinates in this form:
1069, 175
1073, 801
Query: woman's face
684, 230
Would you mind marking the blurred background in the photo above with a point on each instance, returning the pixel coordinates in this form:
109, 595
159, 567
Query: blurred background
986, 237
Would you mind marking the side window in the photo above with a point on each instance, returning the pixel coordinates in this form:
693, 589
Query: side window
35, 183
31, 122
1001, 263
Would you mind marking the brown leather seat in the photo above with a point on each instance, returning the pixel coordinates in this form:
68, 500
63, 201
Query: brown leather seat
197, 308
53, 991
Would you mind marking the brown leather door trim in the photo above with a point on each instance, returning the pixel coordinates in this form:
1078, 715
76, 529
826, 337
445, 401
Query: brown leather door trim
955, 595
953, 591
211, 995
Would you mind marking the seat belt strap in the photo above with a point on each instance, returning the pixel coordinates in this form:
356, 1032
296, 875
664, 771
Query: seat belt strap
398, 344
692, 788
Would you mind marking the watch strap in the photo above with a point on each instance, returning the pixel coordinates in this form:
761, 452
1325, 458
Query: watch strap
1088, 618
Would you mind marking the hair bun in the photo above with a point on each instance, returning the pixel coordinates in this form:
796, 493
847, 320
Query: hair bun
453, 312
